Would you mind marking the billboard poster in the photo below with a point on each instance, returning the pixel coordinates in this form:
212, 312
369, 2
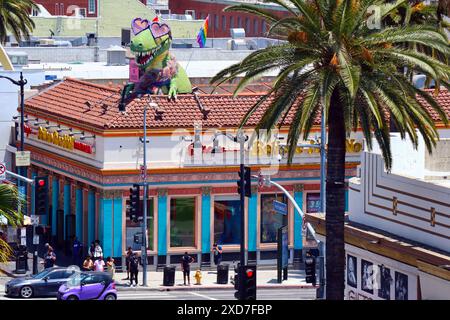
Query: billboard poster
367, 276
384, 290
401, 286
352, 275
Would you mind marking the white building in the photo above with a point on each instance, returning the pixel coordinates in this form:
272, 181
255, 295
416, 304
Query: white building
398, 230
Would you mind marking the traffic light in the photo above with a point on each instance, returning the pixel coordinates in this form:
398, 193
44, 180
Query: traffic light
310, 269
246, 283
41, 196
247, 182
134, 208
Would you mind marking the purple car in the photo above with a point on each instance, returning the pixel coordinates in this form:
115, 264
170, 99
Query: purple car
89, 286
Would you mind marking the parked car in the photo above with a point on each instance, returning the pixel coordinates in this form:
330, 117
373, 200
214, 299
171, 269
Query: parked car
43, 284
89, 286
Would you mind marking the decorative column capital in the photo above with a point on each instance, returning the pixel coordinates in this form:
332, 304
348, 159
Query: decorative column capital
206, 191
254, 189
107, 194
299, 187
162, 192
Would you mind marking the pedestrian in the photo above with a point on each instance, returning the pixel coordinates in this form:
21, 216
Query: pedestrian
88, 265
76, 252
99, 264
217, 251
134, 269
91, 250
110, 266
98, 252
127, 262
49, 258
186, 261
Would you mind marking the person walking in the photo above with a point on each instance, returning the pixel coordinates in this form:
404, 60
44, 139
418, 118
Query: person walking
76, 252
134, 269
127, 262
186, 261
110, 266
98, 252
99, 264
88, 265
217, 252
49, 258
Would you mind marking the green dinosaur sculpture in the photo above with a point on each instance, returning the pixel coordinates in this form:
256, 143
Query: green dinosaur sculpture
161, 72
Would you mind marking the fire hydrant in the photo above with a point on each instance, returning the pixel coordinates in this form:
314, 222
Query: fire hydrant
198, 277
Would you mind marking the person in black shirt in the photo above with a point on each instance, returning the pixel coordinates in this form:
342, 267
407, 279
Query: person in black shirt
134, 269
186, 261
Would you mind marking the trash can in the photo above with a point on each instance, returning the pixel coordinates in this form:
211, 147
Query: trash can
222, 274
21, 260
169, 276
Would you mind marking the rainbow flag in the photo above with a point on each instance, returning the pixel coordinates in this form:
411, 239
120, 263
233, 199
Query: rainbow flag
203, 33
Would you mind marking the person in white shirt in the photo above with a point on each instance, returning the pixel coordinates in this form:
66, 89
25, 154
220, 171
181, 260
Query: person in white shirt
99, 264
98, 252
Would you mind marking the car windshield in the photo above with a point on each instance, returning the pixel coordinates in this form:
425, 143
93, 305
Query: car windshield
75, 279
41, 274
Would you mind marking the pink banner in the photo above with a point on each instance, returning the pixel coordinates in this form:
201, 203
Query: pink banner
134, 71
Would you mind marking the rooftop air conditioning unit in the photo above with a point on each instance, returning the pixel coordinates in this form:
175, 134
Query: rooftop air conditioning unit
237, 44
237, 33
116, 56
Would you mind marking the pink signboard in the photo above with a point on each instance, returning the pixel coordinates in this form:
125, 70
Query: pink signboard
134, 71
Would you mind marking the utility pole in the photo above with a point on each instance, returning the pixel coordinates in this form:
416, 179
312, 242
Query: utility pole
144, 222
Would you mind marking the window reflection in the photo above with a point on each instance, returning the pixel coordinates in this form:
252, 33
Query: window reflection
227, 220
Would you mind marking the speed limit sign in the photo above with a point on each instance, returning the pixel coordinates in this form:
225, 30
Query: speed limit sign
2, 171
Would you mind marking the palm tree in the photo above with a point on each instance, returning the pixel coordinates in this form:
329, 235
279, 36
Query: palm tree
15, 18
9, 201
332, 58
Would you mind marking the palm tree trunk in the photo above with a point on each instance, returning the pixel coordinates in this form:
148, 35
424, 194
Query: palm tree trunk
335, 201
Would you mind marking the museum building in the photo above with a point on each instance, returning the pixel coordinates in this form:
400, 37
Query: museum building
93, 154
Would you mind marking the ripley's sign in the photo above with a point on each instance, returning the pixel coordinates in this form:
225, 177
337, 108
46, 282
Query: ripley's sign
64, 141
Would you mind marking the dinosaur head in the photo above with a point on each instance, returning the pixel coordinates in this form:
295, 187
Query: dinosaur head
151, 42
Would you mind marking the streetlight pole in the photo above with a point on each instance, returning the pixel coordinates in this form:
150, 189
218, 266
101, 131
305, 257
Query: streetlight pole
144, 222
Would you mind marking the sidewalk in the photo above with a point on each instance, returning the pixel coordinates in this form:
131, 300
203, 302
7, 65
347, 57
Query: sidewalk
266, 279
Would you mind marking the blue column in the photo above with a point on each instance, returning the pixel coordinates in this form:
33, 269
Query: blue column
55, 195
66, 206
91, 217
79, 214
117, 239
162, 225
252, 222
206, 223
106, 225
346, 200
298, 239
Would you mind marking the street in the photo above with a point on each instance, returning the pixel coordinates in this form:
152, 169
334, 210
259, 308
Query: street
271, 294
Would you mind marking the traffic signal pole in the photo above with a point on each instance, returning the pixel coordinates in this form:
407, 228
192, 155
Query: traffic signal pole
240, 137
144, 223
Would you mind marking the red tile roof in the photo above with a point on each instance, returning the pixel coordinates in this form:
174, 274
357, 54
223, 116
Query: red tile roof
97, 106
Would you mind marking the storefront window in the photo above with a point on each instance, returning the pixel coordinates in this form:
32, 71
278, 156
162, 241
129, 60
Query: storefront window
313, 202
271, 220
227, 220
134, 228
182, 222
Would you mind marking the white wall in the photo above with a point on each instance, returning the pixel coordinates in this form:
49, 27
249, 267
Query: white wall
9, 102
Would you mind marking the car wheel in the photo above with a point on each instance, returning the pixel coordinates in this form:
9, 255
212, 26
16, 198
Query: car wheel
72, 298
110, 296
26, 292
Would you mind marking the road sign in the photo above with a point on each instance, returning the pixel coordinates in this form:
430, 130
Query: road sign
2, 171
35, 220
280, 207
23, 158
35, 239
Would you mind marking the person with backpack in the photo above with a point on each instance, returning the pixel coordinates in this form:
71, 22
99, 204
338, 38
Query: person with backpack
186, 261
134, 269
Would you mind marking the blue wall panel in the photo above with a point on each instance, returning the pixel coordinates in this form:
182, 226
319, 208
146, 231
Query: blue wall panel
91, 217
55, 195
206, 224
117, 240
66, 206
79, 214
298, 223
106, 226
162, 225
252, 222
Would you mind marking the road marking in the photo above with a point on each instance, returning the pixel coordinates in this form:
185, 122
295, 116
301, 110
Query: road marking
201, 295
